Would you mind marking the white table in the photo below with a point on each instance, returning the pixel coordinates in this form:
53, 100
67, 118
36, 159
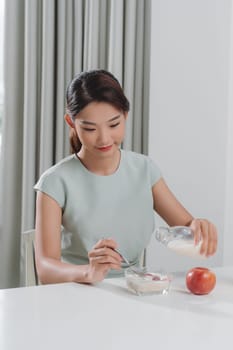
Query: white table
107, 316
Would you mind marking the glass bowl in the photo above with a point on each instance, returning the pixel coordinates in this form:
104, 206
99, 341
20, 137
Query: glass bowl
142, 281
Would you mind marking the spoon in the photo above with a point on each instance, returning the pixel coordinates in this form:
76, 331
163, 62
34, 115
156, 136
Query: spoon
129, 265
123, 257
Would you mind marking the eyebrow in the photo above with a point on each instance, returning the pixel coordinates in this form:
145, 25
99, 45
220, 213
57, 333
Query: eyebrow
86, 122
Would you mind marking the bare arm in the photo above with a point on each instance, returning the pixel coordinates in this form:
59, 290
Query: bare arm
50, 268
168, 207
172, 211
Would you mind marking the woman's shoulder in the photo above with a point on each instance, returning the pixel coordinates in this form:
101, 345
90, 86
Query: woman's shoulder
53, 181
142, 165
136, 157
63, 165
59, 170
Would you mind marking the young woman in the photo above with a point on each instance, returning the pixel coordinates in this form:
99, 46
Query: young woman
102, 191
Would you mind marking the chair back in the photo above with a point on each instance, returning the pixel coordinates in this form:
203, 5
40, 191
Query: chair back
29, 265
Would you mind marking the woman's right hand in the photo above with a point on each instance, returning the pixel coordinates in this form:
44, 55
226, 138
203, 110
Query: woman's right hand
102, 258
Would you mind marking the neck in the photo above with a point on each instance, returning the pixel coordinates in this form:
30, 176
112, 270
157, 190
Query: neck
101, 165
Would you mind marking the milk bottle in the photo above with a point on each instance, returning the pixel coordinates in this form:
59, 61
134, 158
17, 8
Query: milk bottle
180, 239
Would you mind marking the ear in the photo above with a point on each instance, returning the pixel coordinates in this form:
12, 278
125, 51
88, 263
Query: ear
125, 115
69, 121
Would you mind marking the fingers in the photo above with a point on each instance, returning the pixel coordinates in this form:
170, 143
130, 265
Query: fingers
102, 258
103, 253
106, 242
196, 228
107, 246
205, 237
212, 238
205, 231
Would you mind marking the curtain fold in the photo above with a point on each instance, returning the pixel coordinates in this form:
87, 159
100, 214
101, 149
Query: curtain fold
12, 146
116, 39
47, 43
29, 114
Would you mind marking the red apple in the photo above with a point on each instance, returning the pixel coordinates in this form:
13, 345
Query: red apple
200, 280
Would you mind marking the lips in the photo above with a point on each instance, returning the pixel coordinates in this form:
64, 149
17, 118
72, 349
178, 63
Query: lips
105, 148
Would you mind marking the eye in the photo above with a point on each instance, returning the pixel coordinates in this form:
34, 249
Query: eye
87, 129
114, 125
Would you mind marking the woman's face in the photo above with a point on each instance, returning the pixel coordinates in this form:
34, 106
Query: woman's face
100, 128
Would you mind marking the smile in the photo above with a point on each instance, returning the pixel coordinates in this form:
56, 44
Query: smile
105, 148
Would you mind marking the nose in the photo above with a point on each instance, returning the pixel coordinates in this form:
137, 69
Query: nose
103, 138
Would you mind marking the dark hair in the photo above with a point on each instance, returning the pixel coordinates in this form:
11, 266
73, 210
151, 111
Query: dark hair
92, 86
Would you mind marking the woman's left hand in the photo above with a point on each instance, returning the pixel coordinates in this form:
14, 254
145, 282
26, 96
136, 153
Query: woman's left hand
205, 231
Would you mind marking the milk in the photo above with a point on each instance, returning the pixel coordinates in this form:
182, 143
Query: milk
183, 247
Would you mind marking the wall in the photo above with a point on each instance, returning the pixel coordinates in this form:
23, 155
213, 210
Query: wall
189, 115
228, 236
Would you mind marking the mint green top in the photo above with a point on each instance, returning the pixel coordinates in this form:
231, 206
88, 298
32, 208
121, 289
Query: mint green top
119, 205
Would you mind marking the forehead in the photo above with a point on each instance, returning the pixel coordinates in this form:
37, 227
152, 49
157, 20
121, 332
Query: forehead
98, 112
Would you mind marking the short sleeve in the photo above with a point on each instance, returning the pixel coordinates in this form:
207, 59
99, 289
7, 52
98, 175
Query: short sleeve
155, 173
53, 186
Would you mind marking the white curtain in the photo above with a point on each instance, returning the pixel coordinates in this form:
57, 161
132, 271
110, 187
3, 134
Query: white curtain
46, 44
